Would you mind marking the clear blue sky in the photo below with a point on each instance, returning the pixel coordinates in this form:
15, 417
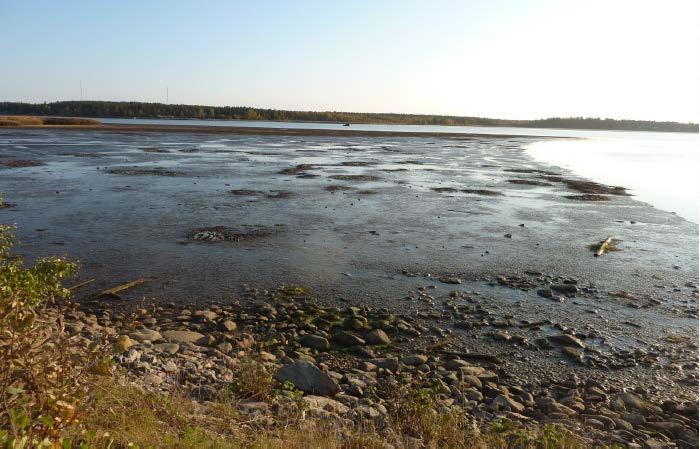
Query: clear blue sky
508, 59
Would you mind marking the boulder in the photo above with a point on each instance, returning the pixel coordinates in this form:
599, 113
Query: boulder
377, 337
308, 378
315, 342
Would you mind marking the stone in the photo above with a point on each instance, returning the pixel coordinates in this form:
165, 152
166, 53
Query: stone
635, 403
567, 340
170, 348
347, 339
142, 335
308, 378
570, 289
414, 360
185, 337
377, 337
206, 315
573, 353
504, 401
228, 326
390, 363
315, 342
330, 405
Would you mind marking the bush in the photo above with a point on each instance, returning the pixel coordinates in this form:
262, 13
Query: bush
43, 368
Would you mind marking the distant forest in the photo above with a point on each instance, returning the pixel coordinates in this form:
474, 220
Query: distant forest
183, 111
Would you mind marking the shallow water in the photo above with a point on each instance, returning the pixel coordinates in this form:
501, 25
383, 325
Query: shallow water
660, 168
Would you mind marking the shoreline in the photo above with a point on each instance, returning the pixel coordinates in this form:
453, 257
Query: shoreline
250, 130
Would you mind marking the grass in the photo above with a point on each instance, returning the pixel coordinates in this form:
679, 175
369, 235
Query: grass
125, 416
26, 120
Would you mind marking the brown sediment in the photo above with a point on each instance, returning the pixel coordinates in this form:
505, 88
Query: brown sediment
243, 192
528, 182
20, 163
391, 170
226, 234
367, 192
482, 192
299, 169
335, 188
588, 197
137, 171
355, 177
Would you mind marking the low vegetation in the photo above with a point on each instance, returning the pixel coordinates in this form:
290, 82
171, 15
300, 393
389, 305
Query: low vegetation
24, 120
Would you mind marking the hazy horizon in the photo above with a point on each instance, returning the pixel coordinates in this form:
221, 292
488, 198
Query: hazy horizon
511, 60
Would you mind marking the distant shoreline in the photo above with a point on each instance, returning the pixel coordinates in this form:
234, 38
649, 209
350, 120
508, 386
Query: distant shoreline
143, 110
203, 129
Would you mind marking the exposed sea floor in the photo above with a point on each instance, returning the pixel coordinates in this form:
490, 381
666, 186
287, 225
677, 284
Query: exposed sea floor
368, 221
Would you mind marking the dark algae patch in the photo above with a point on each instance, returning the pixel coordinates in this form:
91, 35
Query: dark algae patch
594, 187
298, 170
20, 163
225, 234
140, 171
154, 150
355, 178
588, 197
335, 188
528, 182
443, 189
483, 192
243, 192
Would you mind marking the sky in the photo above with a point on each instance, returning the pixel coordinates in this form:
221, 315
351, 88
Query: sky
519, 59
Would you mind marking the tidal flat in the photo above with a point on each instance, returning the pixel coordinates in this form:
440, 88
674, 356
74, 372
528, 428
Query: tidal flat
485, 249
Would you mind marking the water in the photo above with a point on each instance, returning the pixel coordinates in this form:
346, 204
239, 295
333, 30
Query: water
659, 168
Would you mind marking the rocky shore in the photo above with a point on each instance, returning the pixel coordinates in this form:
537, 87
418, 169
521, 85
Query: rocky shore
345, 365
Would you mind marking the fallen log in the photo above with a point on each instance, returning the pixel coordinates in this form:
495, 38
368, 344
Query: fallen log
114, 290
81, 284
603, 246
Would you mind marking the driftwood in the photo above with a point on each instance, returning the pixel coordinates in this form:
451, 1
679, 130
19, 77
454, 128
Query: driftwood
81, 284
603, 246
114, 290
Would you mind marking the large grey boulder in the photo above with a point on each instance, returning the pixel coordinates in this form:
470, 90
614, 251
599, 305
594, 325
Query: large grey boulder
308, 378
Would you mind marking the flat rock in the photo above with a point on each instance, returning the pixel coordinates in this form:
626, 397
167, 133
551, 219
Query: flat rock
567, 340
142, 335
328, 404
184, 337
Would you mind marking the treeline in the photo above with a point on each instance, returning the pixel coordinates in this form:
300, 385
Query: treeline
124, 109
